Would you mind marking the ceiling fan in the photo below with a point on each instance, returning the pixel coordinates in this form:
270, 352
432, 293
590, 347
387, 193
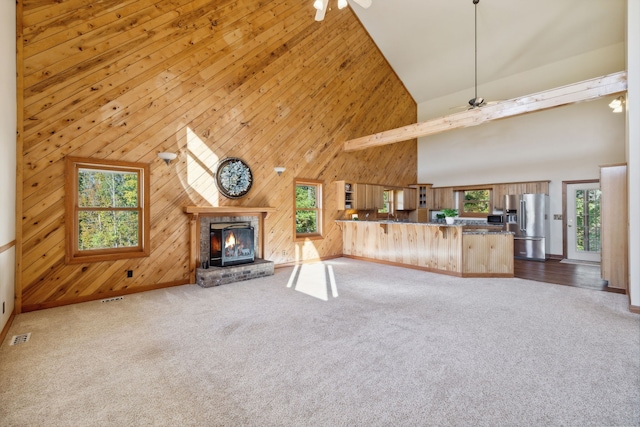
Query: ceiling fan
321, 6
476, 101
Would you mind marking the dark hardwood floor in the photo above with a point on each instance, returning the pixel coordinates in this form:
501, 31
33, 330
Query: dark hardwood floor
553, 271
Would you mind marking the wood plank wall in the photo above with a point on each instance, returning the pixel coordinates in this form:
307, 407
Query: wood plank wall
126, 79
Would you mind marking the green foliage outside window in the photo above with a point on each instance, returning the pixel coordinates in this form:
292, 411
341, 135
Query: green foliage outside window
588, 220
477, 201
108, 214
385, 202
307, 209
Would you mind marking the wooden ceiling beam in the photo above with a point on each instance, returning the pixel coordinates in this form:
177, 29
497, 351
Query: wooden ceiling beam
576, 92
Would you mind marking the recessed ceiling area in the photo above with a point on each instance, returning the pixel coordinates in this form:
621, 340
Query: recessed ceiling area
430, 43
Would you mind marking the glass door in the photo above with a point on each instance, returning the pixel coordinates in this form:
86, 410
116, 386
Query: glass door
583, 221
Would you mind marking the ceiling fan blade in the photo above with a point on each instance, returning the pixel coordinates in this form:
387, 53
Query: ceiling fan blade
363, 3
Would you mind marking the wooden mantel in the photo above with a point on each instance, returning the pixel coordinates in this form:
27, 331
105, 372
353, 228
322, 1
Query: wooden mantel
195, 212
225, 210
577, 92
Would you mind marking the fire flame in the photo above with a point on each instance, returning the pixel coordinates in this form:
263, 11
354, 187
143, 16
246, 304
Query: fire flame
231, 241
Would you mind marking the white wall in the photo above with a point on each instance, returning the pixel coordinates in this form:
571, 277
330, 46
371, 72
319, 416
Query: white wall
7, 157
592, 64
562, 144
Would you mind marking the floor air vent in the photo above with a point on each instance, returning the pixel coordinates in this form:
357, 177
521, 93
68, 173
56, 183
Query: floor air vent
112, 299
20, 339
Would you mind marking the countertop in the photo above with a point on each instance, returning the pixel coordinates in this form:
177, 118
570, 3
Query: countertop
436, 224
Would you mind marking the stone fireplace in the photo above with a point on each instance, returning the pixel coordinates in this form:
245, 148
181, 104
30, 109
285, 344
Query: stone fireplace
211, 262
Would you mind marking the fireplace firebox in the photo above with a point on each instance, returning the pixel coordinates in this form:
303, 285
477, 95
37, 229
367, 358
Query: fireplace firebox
231, 244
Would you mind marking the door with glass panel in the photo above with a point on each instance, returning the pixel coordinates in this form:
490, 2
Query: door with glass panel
583, 221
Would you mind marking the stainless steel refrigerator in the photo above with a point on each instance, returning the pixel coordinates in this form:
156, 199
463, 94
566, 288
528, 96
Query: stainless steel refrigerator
527, 216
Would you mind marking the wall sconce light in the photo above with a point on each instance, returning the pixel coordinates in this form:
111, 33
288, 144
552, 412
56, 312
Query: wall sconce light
617, 104
279, 169
167, 157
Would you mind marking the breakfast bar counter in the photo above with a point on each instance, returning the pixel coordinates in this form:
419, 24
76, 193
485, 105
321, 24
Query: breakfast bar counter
439, 248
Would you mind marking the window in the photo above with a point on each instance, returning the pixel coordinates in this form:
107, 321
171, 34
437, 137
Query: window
107, 205
387, 200
308, 208
474, 202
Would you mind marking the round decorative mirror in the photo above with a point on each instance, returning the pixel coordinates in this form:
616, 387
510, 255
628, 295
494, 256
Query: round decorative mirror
233, 177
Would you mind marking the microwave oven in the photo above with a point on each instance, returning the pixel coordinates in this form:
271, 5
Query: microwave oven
494, 219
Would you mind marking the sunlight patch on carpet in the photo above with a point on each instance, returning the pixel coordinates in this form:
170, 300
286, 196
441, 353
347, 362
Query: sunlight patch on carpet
316, 280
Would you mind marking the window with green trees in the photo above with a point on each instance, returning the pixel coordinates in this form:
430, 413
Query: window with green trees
588, 220
475, 202
387, 202
107, 204
308, 208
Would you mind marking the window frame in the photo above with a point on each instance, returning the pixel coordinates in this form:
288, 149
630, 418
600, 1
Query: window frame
389, 207
73, 254
461, 202
318, 209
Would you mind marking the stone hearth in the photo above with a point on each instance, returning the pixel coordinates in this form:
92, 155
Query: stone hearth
214, 276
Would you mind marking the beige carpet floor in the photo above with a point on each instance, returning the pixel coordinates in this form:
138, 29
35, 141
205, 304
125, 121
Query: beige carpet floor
342, 343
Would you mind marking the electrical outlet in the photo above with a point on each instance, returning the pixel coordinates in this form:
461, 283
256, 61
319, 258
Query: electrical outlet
284, 253
129, 273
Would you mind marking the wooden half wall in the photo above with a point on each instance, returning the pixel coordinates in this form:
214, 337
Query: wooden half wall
126, 79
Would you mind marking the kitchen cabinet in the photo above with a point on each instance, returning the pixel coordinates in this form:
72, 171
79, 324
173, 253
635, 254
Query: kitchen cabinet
431, 247
356, 196
406, 199
423, 192
423, 203
497, 196
614, 249
443, 198
345, 194
373, 196
500, 190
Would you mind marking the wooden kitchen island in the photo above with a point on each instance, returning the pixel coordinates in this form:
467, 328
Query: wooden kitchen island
439, 248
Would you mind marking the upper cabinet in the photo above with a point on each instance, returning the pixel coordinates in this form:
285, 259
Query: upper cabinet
352, 195
443, 198
501, 190
423, 197
369, 196
345, 193
406, 199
